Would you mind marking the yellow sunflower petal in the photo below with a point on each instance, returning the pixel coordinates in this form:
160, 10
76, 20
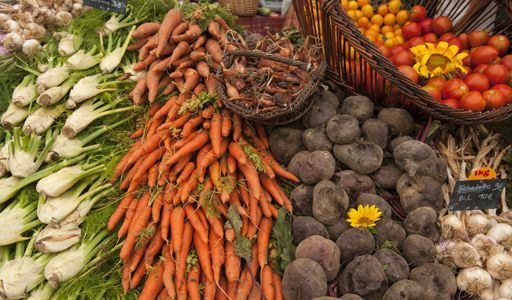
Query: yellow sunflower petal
442, 45
451, 51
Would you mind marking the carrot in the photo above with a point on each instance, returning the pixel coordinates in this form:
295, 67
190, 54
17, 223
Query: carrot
182, 292
249, 132
214, 171
220, 294
144, 64
181, 28
182, 253
157, 207
137, 256
206, 159
245, 285
218, 255
191, 79
145, 30
128, 218
203, 69
226, 123
231, 163
193, 283
264, 202
236, 151
232, 266
196, 55
230, 234
166, 218
185, 174
177, 228
208, 112
147, 163
255, 221
148, 46
278, 286
237, 127
138, 91
125, 277
221, 22
209, 288
162, 112
254, 293
251, 175
171, 20
152, 80
214, 30
138, 44
169, 89
120, 211
199, 42
121, 164
211, 86
278, 169
191, 125
202, 217
153, 284
273, 188
188, 187
212, 46
169, 269
137, 276
199, 141
263, 240
181, 50
215, 133
260, 129
232, 289
153, 176
192, 33
245, 225
254, 209
163, 295
195, 221
153, 249
267, 284
215, 223
204, 256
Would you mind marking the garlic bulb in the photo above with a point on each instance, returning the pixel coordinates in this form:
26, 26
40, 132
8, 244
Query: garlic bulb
474, 280
31, 47
13, 42
500, 266
63, 18
477, 224
34, 31
465, 255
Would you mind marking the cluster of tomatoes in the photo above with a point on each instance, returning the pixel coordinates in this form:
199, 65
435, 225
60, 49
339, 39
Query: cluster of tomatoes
487, 83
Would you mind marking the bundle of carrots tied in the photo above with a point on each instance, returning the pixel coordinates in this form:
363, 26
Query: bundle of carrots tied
201, 185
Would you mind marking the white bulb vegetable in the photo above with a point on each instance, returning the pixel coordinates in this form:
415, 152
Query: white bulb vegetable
500, 266
25, 92
40, 120
59, 182
474, 280
14, 115
51, 78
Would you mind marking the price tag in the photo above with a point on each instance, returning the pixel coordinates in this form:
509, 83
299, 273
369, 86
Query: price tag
118, 6
476, 194
482, 173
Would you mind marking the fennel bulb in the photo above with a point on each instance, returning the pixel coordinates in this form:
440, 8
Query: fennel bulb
13, 115
64, 148
84, 89
44, 292
51, 78
84, 60
4, 157
17, 218
19, 276
55, 94
57, 183
69, 44
25, 158
113, 57
40, 120
53, 240
8, 183
26, 92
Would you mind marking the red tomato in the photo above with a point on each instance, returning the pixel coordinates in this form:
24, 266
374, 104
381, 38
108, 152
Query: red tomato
437, 82
411, 30
404, 57
509, 80
494, 99
464, 38
441, 25
409, 72
433, 91
416, 41
505, 89
507, 61
417, 13
477, 82
398, 49
451, 103
463, 75
446, 37
478, 38
467, 60
454, 88
385, 50
473, 101
481, 68
430, 37
483, 55
500, 42
456, 41
426, 25
496, 74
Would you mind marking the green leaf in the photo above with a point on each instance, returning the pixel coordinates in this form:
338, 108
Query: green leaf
243, 247
281, 246
234, 219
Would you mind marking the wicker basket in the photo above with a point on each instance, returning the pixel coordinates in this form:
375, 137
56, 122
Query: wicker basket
242, 8
279, 116
357, 64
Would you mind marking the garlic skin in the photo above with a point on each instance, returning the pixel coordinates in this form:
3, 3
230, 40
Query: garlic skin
452, 226
501, 233
34, 31
12, 26
486, 246
505, 290
477, 224
465, 255
63, 18
500, 266
13, 42
474, 280
31, 47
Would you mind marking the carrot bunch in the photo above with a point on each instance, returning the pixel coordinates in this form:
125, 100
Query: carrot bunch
200, 182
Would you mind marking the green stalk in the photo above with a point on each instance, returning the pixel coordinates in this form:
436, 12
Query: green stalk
19, 249
91, 247
102, 130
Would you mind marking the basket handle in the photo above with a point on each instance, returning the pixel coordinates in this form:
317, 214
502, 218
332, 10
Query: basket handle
231, 55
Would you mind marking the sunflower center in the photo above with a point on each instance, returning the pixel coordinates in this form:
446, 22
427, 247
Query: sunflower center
437, 60
365, 221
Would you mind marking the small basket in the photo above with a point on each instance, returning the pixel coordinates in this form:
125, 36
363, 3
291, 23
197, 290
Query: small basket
359, 66
278, 116
242, 8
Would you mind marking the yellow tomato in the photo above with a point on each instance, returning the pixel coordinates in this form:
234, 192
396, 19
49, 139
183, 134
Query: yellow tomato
389, 19
383, 9
375, 28
398, 31
352, 14
353, 5
362, 3
363, 22
385, 29
396, 26
359, 14
372, 37
344, 4
402, 17
394, 6
389, 43
377, 20
399, 39
367, 10
389, 35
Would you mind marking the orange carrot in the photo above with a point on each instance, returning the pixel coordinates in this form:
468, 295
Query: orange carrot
253, 209
137, 133
221, 22
150, 45
138, 44
171, 20
215, 133
251, 175
245, 285
212, 46
169, 266
202, 217
232, 266
226, 122
203, 253
273, 188
138, 91
128, 218
278, 169
215, 223
182, 292
144, 64
120, 211
148, 162
195, 221
249, 132
220, 294
191, 79
153, 284
125, 183
191, 125
216, 243
137, 256
254, 293
260, 129
181, 28
163, 294
199, 141
209, 288
203, 69
153, 176
162, 112
264, 202
125, 277
232, 289
208, 112
145, 30
187, 188
214, 30
263, 240
153, 249
169, 89
180, 51
255, 222
193, 283
182, 253
166, 218
231, 163
278, 286
137, 276
177, 228
211, 86
267, 284
199, 42
236, 151
230, 234
185, 174
237, 127
192, 33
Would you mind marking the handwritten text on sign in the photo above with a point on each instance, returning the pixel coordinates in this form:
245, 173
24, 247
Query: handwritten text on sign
118, 6
476, 194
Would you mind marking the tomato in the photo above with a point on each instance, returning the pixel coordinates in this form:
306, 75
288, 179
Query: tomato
451, 103
463, 75
397, 49
385, 50
441, 25
507, 61
505, 89
500, 42
416, 41
430, 37
494, 99
417, 13
454, 88
481, 68
464, 38
411, 30
410, 73
478, 38
426, 25
456, 41
404, 57
483, 55
446, 37
473, 101
467, 60
437, 82
496, 74
477, 82
433, 91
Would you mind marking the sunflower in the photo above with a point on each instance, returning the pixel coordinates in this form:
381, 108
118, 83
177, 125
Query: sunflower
443, 59
364, 216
